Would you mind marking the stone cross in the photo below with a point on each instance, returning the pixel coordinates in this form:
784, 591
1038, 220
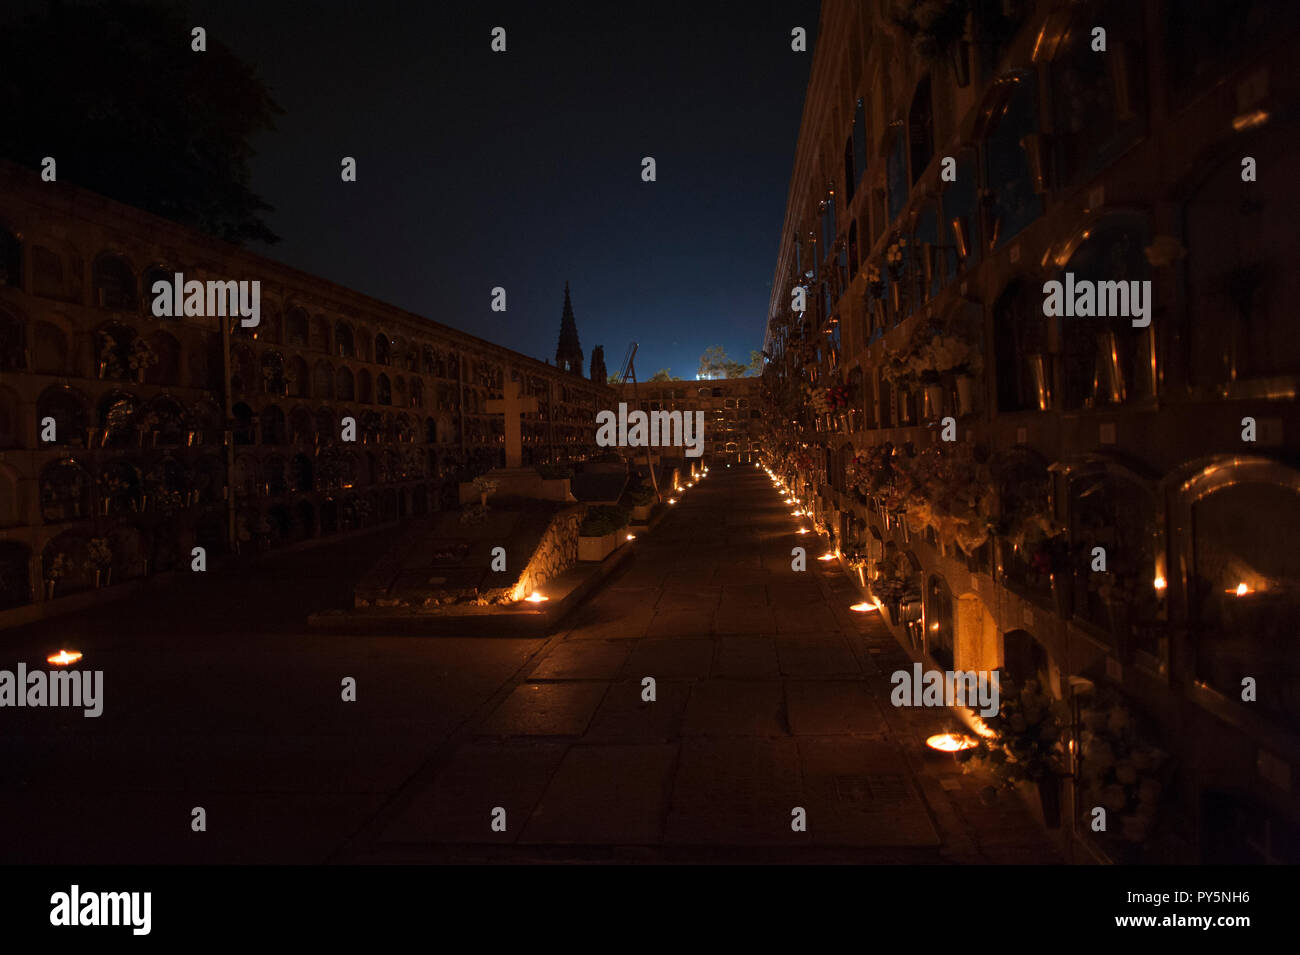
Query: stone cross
512, 406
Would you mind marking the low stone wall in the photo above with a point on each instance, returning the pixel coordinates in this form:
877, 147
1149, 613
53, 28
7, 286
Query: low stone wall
556, 552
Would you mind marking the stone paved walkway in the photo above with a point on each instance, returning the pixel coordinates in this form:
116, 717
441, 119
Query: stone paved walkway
770, 695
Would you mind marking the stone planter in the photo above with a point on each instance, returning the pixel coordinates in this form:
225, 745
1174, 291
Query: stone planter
641, 512
597, 548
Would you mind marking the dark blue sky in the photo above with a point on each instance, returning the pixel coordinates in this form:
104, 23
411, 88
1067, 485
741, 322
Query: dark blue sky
523, 169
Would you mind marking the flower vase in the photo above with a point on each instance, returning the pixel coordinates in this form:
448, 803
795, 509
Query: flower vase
933, 395
49, 589
98, 579
482, 498
1108, 377
1061, 595
1040, 380
965, 404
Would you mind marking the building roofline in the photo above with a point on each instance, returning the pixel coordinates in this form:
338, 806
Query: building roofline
72, 201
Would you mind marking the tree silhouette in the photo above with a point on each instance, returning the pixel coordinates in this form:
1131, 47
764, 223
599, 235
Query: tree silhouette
714, 363
114, 92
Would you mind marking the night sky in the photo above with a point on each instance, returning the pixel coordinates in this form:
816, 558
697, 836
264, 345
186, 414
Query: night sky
523, 169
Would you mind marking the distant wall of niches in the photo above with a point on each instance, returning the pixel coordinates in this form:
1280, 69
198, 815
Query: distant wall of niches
731, 412
1121, 495
127, 439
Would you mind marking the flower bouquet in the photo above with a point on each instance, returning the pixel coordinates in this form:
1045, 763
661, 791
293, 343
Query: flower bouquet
485, 486
1122, 773
819, 401
895, 254
99, 554
142, 358
110, 366
875, 281
932, 25
110, 485
57, 570
839, 397
1025, 741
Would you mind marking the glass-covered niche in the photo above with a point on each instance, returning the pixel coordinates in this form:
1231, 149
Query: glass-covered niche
1244, 595
1106, 359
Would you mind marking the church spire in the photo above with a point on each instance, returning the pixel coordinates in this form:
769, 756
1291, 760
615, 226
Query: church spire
568, 352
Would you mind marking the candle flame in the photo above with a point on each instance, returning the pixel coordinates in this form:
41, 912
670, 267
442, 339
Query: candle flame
63, 657
950, 742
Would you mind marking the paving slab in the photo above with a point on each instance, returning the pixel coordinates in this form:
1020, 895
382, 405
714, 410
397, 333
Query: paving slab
482, 775
625, 715
670, 659
833, 708
735, 708
545, 709
606, 795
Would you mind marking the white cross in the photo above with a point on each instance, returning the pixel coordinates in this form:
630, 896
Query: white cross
512, 406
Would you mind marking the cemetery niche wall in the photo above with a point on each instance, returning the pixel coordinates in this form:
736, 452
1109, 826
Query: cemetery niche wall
1099, 503
146, 433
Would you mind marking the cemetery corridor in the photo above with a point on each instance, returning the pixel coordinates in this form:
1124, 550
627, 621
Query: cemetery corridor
769, 696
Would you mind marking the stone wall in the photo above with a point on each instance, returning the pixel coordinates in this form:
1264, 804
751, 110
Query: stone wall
556, 552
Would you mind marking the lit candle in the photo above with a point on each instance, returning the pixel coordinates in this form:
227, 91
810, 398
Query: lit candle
950, 742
